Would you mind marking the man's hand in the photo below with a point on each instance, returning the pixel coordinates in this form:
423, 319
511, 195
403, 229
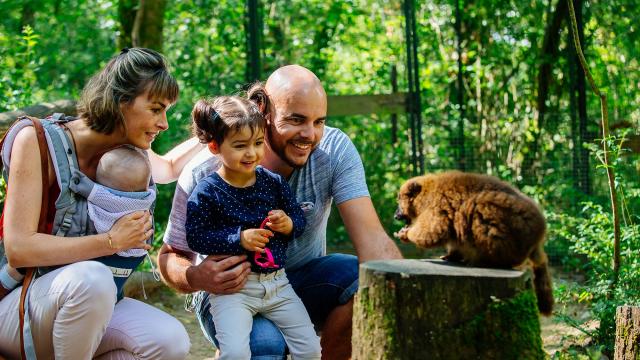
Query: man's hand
220, 274
280, 222
255, 239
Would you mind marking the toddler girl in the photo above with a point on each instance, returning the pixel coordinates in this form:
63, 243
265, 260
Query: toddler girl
244, 208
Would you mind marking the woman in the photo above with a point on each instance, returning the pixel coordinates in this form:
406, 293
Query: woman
74, 312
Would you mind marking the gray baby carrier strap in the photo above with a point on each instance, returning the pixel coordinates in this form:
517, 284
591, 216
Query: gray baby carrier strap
71, 217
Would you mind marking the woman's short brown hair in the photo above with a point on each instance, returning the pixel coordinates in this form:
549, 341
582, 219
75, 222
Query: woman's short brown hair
125, 77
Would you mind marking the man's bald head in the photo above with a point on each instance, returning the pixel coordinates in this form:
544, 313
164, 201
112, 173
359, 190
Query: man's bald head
297, 111
293, 80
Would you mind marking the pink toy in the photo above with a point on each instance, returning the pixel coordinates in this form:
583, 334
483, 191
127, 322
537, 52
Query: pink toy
265, 259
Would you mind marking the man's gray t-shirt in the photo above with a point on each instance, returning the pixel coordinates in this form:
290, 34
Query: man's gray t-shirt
334, 171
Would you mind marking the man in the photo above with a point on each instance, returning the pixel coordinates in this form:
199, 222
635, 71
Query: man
321, 165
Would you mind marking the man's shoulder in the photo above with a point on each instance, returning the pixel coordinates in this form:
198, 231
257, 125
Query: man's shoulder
333, 137
334, 145
205, 184
198, 168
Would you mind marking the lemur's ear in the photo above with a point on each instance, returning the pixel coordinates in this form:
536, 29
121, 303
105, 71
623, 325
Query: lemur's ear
413, 189
213, 147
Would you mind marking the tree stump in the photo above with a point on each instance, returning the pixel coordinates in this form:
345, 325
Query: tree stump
432, 309
627, 333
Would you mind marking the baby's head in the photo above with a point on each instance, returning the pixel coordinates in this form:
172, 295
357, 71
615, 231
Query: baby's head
125, 168
215, 120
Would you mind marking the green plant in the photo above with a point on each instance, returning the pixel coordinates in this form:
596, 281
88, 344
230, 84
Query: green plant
578, 353
18, 66
590, 235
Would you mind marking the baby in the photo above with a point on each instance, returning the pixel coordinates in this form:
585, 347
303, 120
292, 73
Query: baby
122, 187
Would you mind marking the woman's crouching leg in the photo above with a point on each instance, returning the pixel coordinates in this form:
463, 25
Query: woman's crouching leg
69, 307
143, 332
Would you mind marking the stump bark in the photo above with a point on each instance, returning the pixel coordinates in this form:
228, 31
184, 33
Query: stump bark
627, 333
419, 309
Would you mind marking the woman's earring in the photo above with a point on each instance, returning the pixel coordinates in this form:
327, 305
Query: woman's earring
213, 147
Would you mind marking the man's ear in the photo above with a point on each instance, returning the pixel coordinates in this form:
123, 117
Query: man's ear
213, 147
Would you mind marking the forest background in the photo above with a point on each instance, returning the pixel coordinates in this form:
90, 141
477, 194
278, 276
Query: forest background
501, 92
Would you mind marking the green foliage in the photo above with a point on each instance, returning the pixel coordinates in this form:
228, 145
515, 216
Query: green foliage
48, 52
591, 238
579, 353
589, 243
18, 67
352, 46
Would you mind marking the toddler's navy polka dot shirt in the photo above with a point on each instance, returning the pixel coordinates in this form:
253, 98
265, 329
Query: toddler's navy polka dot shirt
217, 212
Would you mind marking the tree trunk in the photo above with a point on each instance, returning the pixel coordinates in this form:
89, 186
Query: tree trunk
28, 15
253, 27
418, 309
627, 333
148, 24
127, 10
549, 56
324, 35
581, 89
459, 140
573, 68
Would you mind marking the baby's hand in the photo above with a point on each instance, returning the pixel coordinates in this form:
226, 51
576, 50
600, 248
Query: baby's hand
255, 239
280, 222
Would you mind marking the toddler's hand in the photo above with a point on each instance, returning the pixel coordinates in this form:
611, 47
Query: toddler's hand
280, 222
255, 239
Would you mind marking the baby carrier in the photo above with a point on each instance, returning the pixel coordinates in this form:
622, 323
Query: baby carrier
71, 211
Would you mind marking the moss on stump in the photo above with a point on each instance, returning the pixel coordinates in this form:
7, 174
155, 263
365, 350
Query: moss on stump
418, 309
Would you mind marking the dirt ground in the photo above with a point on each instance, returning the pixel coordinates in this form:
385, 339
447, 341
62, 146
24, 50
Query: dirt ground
555, 335
173, 303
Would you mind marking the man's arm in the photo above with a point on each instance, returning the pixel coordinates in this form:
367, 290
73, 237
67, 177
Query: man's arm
218, 274
365, 230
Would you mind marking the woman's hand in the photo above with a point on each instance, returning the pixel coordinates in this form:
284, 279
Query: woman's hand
280, 222
255, 239
132, 231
